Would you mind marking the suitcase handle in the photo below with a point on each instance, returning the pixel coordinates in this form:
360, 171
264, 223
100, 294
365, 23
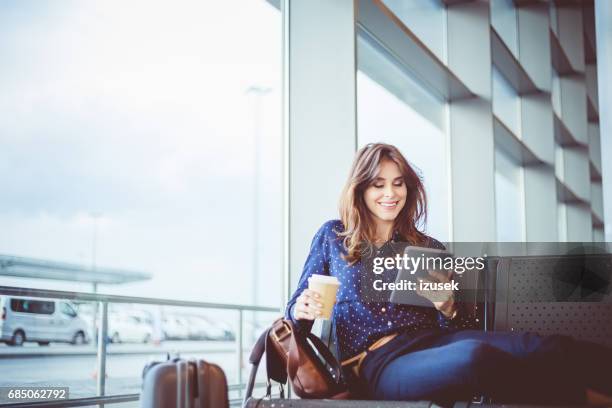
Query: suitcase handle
183, 386
201, 372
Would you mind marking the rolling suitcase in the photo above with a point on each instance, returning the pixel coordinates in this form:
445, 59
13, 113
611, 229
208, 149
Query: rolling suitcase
184, 384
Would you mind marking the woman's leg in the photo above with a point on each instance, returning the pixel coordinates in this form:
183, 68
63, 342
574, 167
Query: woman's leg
465, 368
581, 362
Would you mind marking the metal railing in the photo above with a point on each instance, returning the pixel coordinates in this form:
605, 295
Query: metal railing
103, 301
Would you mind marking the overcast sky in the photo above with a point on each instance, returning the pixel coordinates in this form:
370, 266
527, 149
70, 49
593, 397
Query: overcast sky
138, 112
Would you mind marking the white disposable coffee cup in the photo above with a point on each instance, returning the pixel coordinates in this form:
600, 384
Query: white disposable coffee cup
327, 288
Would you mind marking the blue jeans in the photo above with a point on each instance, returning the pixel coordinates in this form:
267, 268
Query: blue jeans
456, 365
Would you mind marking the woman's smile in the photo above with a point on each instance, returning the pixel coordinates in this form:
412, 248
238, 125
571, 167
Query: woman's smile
389, 204
386, 195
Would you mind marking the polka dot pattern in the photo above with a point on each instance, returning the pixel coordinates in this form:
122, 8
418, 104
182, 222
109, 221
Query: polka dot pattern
358, 324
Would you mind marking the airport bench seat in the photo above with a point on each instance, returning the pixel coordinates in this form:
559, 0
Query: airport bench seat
483, 307
301, 403
305, 403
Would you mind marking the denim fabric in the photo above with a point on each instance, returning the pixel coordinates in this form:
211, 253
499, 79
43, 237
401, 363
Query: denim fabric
455, 365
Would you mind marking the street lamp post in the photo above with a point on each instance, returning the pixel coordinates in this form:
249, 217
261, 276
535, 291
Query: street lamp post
94, 241
257, 93
94, 216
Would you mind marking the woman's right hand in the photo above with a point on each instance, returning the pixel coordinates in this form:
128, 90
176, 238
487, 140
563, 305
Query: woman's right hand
308, 305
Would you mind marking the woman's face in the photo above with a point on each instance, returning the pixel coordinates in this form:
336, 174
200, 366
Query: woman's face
386, 196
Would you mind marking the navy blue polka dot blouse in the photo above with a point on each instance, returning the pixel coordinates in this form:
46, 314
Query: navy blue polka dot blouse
357, 324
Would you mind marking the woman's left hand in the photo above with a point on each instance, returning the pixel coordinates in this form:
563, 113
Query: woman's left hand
443, 300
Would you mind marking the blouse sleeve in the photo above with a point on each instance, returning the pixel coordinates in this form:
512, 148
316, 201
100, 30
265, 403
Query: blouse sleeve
317, 262
463, 319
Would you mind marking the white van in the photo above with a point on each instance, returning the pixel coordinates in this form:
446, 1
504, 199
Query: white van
40, 320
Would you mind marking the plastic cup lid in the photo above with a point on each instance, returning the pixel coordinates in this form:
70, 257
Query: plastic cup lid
325, 279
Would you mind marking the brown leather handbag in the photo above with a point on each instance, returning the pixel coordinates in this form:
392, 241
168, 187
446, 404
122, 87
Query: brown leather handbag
303, 358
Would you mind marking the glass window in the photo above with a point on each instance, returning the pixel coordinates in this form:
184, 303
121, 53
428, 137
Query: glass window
509, 203
382, 67
562, 221
504, 21
554, 23
393, 108
556, 93
506, 102
145, 140
141, 145
559, 164
67, 310
32, 306
426, 19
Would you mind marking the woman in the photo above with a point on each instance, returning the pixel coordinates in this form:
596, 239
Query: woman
406, 352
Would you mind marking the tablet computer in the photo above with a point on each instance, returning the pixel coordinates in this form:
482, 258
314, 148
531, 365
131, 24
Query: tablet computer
416, 264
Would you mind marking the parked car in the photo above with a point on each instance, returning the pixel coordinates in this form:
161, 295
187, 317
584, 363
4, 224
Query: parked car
220, 331
40, 320
201, 328
175, 328
125, 327
228, 332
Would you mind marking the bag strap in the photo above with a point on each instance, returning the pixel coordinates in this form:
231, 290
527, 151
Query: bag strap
294, 355
258, 348
327, 355
251, 382
254, 359
275, 364
275, 368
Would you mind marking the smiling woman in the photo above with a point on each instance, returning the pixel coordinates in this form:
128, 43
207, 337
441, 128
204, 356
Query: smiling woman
383, 193
408, 351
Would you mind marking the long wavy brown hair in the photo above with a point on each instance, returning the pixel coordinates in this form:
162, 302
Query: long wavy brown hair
359, 226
